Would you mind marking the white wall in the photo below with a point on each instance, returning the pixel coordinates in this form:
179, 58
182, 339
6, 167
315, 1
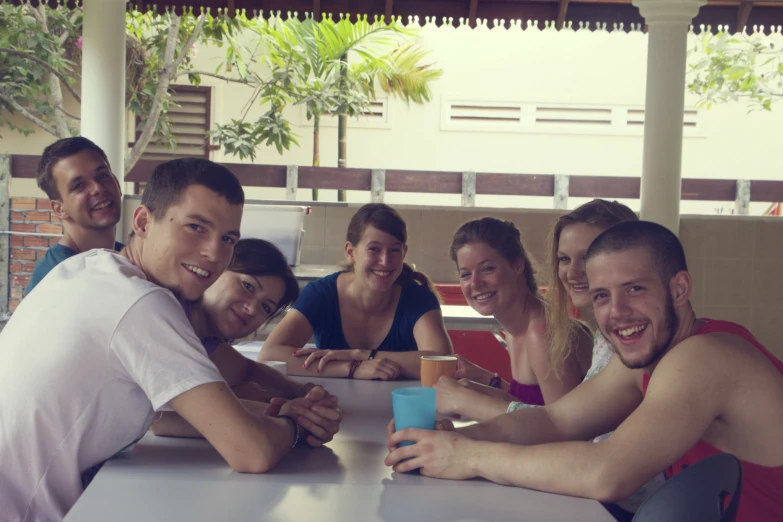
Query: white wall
529, 66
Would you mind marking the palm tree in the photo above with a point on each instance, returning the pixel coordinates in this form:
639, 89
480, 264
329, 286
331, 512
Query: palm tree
346, 61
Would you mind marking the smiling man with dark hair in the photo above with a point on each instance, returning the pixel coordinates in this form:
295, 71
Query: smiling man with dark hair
84, 194
681, 389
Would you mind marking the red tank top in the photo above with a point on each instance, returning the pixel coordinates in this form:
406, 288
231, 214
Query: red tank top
762, 486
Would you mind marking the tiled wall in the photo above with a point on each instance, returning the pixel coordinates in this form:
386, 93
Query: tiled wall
737, 267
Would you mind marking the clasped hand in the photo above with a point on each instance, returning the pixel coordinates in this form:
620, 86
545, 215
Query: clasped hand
316, 413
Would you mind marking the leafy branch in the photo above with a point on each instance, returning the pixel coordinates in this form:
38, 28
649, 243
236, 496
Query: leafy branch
726, 68
66, 82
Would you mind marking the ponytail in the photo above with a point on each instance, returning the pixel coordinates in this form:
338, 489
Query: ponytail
410, 274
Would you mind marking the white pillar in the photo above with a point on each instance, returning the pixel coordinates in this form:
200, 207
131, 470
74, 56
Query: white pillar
664, 107
103, 82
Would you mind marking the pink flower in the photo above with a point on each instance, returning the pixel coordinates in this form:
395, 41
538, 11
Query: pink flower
79, 42
193, 51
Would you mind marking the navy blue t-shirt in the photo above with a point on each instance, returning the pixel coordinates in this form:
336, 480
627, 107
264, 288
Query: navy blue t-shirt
319, 303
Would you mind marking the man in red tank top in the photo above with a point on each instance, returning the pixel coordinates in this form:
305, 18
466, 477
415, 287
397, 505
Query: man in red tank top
679, 390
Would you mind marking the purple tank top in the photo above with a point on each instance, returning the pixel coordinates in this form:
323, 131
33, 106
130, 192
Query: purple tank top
527, 393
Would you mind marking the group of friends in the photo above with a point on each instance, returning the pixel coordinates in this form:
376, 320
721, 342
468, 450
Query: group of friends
114, 339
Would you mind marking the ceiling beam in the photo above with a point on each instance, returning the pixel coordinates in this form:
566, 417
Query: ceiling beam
472, 13
562, 8
387, 12
743, 14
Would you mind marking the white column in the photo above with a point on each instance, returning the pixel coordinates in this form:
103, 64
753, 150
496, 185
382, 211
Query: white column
103, 82
664, 107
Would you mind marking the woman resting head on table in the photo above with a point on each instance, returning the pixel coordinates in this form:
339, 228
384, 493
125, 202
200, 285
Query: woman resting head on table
373, 320
497, 279
257, 286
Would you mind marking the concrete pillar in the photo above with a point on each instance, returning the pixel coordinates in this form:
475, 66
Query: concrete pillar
378, 186
103, 82
668, 22
562, 183
291, 182
468, 189
742, 199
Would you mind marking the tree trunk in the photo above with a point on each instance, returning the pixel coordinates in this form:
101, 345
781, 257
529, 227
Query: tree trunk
56, 91
342, 149
316, 146
166, 74
342, 128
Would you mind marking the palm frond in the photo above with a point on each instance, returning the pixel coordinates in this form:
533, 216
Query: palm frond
401, 74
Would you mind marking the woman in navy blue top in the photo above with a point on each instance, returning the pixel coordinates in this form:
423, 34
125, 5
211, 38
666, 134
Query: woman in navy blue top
372, 321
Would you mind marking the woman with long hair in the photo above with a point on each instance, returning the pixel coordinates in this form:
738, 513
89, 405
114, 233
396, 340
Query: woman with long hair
566, 248
372, 320
497, 279
257, 286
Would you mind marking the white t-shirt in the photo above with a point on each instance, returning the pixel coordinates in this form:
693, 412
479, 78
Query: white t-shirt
84, 362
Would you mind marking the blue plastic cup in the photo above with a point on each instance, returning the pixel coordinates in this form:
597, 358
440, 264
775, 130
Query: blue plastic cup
413, 408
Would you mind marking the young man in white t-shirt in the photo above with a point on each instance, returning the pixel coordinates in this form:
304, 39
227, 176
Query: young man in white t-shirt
103, 343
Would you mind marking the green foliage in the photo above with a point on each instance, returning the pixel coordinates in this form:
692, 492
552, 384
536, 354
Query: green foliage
23, 81
35, 42
332, 68
725, 68
310, 63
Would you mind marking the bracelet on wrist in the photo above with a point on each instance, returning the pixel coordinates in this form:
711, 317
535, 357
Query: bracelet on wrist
354, 365
297, 430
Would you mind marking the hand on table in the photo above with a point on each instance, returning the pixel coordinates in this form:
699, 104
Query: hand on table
324, 357
379, 368
317, 413
442, 453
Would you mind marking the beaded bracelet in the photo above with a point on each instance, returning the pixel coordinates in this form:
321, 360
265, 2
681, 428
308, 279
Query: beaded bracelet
297, 431
354, 365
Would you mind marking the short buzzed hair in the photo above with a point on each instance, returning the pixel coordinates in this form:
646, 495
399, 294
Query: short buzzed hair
171, 179
667, 256
61, 149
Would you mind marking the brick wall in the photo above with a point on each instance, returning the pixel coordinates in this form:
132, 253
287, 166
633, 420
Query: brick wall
28, 215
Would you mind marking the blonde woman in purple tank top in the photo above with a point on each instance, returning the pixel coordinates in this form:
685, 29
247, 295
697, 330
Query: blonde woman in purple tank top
497, 279
568, 242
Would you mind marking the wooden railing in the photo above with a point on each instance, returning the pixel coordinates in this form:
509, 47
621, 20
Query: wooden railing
468, 184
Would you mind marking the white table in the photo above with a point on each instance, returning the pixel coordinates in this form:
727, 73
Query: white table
165, 479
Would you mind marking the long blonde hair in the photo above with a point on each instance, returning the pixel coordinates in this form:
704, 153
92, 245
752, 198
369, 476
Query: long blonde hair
562, 329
